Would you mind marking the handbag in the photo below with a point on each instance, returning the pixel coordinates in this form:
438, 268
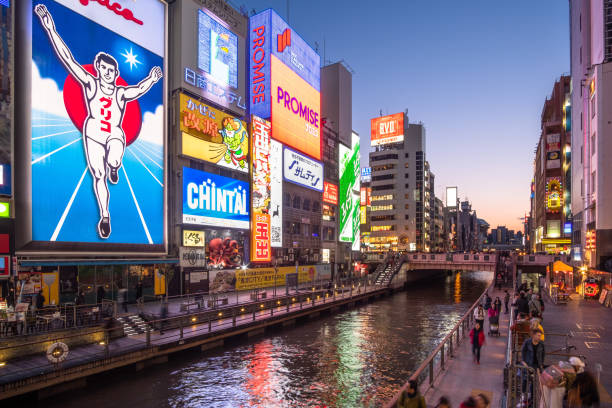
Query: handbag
552, 376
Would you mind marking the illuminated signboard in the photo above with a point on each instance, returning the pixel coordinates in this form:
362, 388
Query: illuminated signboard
349, 195
260, 184
217, 50
553, 151
387, 129
213, 136
193, 238
366, 174
210, 41
276, 193
285, 83
363, 199
98, 123
554, 194
567, 228
363, 218
5, 209
5, 3
6, 102
330, 193
451, 197
214, 200
302, 170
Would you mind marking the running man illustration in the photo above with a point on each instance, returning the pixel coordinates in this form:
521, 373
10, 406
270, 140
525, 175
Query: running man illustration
103, 137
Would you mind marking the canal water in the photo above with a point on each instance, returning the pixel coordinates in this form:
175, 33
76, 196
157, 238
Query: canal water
355, 358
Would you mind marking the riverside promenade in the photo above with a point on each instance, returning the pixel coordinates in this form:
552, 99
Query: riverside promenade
464, 377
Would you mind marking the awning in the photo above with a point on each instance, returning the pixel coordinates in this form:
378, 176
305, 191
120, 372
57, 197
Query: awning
50, 262
559, 266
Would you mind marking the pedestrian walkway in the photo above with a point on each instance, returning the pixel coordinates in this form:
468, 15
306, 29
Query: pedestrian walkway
464, 377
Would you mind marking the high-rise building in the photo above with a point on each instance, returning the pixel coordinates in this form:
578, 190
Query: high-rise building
591, 113
399, 217
552, 175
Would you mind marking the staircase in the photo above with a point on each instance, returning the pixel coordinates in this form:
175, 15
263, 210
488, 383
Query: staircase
391, 269
132, 325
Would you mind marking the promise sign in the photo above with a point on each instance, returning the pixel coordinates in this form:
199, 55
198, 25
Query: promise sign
261, 250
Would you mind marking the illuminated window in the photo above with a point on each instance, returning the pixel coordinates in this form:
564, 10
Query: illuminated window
383, 228
382, 197
383, 207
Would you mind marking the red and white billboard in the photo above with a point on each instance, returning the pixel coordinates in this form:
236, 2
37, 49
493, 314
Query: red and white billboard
330, 193
261, 248
387, 129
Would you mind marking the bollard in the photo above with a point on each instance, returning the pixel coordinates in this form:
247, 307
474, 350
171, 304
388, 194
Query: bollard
301, 303
253, 314
209, 324
431, 372
272, 311
442, 356
148, 333
234, 318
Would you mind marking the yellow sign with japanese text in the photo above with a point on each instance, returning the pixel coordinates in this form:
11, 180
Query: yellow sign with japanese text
193, 238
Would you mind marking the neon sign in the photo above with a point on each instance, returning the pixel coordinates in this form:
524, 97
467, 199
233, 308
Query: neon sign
260, 232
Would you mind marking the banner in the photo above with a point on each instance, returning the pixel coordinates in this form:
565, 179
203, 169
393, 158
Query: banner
214, 200
97, 127
302, 170
330, 193
387, 129
261, 250
214, 136
349, 196
276, 193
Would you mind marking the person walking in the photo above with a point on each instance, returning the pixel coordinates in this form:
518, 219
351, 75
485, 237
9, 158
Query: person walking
482, 401
497, 305
443, 402
506, 301
411, 397
532, 352
479, 315
487, 303
139, 292
535, 309
101, 293
522, 304
583, 392
122, 298
477, 338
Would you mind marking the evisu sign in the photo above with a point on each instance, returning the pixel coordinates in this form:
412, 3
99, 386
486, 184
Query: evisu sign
192, 257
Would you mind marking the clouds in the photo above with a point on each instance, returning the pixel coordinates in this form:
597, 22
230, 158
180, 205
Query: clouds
46, 95
152, 129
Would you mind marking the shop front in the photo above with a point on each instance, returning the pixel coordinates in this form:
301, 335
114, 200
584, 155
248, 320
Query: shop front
61, 281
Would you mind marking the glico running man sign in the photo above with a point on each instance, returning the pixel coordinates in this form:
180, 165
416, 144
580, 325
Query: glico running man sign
97, 122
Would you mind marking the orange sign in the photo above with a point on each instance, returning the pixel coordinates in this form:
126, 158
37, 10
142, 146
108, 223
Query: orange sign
387, 129
296, 110
330, 193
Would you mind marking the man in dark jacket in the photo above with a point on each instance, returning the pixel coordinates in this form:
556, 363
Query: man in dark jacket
522, 304
532, 353
411, 398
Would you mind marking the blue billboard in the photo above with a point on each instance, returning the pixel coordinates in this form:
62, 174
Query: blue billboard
214, 200
271, 35
97, 129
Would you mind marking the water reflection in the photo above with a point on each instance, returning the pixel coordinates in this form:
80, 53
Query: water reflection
355, 358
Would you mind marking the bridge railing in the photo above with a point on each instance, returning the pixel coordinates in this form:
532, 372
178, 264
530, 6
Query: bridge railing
451, 258
436, 363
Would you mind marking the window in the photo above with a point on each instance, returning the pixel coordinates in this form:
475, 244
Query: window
297, 202
553, 229
593, 144
406, 155
407, 206
407, 227
407, 165
382, 197
295, 228
406, 217
580, 120
581, 55
384, 187
286, 200
593, 181
581, 153
407, 175
581, 187
316, 207
306, 229
306, 205
593, 98
376, 228
383, 177
383, 218
384, 157
382, 207
316, 229
407, 196
329, 213
406, 185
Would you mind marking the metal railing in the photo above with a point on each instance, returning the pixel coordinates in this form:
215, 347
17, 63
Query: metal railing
435, 364
111, 350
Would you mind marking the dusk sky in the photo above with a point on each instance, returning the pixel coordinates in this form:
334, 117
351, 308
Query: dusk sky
475, 72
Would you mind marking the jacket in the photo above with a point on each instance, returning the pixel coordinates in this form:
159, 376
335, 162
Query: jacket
522, 305
481, 337
415, 402
529, 352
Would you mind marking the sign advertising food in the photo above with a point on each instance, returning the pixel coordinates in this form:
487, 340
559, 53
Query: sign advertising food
330, 193
387, 129
260, 182
214, 200
211, 40
285, 83
349, 195
97, 127
193, 238
302, 170
213, 136
257, 278
276, 193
